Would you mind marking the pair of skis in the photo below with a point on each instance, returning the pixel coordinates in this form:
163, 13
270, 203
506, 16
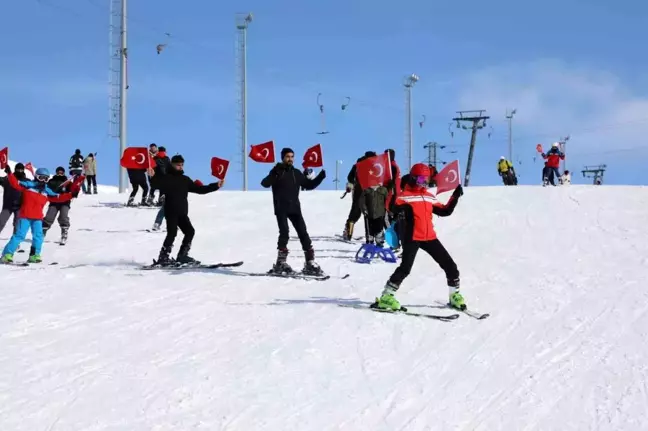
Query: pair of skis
440, 317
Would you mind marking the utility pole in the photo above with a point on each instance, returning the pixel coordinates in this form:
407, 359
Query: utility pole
337, 173
563, 148
432, 153
242, 22
409, 140
509, 117
595, 172
478, 120
118, 80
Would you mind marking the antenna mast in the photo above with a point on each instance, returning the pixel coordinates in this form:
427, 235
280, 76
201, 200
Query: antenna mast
242, 22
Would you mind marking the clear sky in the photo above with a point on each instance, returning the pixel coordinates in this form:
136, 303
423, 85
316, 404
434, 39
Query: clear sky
570, 67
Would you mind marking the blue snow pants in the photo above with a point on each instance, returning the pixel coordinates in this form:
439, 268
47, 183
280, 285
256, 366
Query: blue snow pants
24, 225
159, 218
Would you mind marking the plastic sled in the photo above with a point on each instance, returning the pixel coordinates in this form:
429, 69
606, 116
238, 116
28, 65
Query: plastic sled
367, 252
391, 236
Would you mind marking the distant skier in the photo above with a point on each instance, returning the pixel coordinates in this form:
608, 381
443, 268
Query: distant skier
506, 171
176, 186
372, 204
414, 209
59, 183
565, 178
162, 166
553, 158
35, 196
137, 179
90, 172
76, 166
286, 181
11, 197
353, 186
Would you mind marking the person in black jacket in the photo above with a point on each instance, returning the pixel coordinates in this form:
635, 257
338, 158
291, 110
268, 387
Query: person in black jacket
137, 179
11, 197
162, 166
176, 186
59, 183
354, 185
76, 166
286, 182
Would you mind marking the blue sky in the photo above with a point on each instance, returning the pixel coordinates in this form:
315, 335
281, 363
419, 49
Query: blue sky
570, 67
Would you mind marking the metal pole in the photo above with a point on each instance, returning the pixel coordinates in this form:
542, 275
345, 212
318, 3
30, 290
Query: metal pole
337, 172
408, 120
122, 95
510, 138
244, 111
473, 140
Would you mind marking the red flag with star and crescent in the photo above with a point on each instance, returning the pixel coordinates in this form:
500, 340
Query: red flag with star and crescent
137, 158
374, 171
448, 178
313, 157
219, 167
263, 153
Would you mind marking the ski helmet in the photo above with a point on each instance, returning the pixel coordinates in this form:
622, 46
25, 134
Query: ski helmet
420, 170
42, 174
554, 145
502, 158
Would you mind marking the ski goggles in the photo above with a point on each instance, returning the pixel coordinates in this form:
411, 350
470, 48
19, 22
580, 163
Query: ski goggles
421, 180
42, 178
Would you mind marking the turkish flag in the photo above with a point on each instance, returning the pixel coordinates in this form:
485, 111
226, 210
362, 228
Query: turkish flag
374, 171
219, 167
448, 178
313, 157
4, 157
539, 148
30, 168
136, 158
263, 153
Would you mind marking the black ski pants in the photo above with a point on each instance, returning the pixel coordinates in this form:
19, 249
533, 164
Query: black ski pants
299, 224
92, 182
375, 225
435, 249
5, 214
182, 222
356, 212
137, 183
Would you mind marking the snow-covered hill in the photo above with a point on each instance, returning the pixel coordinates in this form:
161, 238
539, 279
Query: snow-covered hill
96, 344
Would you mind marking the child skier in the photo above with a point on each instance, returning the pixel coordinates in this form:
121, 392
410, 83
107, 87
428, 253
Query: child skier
35, 194
414, 209
373, 206
176, 186
59, 183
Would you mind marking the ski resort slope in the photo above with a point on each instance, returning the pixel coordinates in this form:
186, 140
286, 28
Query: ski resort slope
96, 344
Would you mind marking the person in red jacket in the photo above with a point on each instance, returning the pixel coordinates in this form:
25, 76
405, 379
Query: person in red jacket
553, 158
35, 195
415, 208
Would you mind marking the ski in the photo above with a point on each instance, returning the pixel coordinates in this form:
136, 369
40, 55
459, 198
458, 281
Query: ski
467, 312
177, 266
25, 264
294, 275
405, 312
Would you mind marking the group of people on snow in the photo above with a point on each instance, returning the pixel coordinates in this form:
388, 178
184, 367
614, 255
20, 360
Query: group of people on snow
550, 172
139, 178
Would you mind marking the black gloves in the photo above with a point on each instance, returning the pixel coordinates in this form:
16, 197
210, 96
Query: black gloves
457, 192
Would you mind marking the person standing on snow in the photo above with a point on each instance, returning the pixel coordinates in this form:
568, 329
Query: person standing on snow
90, 171
162, 166
394, 186
506, 171
11, 196
353, 185
414, 209
553, 158
35, 195
286, 181
176, 186
373, 205
137, 178
59, 183
76, 166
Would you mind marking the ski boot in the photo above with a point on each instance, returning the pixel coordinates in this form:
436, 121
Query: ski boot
164, 259
34, 258
311, 267
347, 233
380, 239
387, 300
64, 235
94, 190
457, 301
7, 258
183, 257
131, 202
156, 227
144, 203
281, 266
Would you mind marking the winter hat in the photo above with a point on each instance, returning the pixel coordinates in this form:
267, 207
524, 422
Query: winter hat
60, 168
370, 154
77, 151
392, 154
162, 149
19, 166
286, 151
177, 159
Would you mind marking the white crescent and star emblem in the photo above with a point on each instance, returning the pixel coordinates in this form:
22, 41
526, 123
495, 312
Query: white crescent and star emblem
265, 151
137, 161
3, 159
221, 168
314, 156
380, 168
452, 174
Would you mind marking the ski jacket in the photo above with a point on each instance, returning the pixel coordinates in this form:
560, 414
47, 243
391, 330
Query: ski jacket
35, 196
176, 186
10, 196
90, 166
394, 185
504, 166
373, 202
162, 163
553, 158
415, 208
60, 184
286, 182
76, 163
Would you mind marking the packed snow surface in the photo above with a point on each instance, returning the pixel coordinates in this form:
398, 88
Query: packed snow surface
94, 343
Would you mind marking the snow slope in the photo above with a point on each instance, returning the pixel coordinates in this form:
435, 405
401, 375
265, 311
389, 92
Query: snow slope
95, 344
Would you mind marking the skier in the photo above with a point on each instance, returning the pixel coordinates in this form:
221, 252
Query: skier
11, 197
176, 186
137, 179
153, 153
35, 194
286, 182
553, 158
506, 171
90, 171
565, 179
76, 166
162, 165
373, 205
353, 185
59, 183
414, 209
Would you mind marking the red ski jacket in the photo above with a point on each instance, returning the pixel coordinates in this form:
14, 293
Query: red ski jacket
35, 197
415, 207
553, 158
